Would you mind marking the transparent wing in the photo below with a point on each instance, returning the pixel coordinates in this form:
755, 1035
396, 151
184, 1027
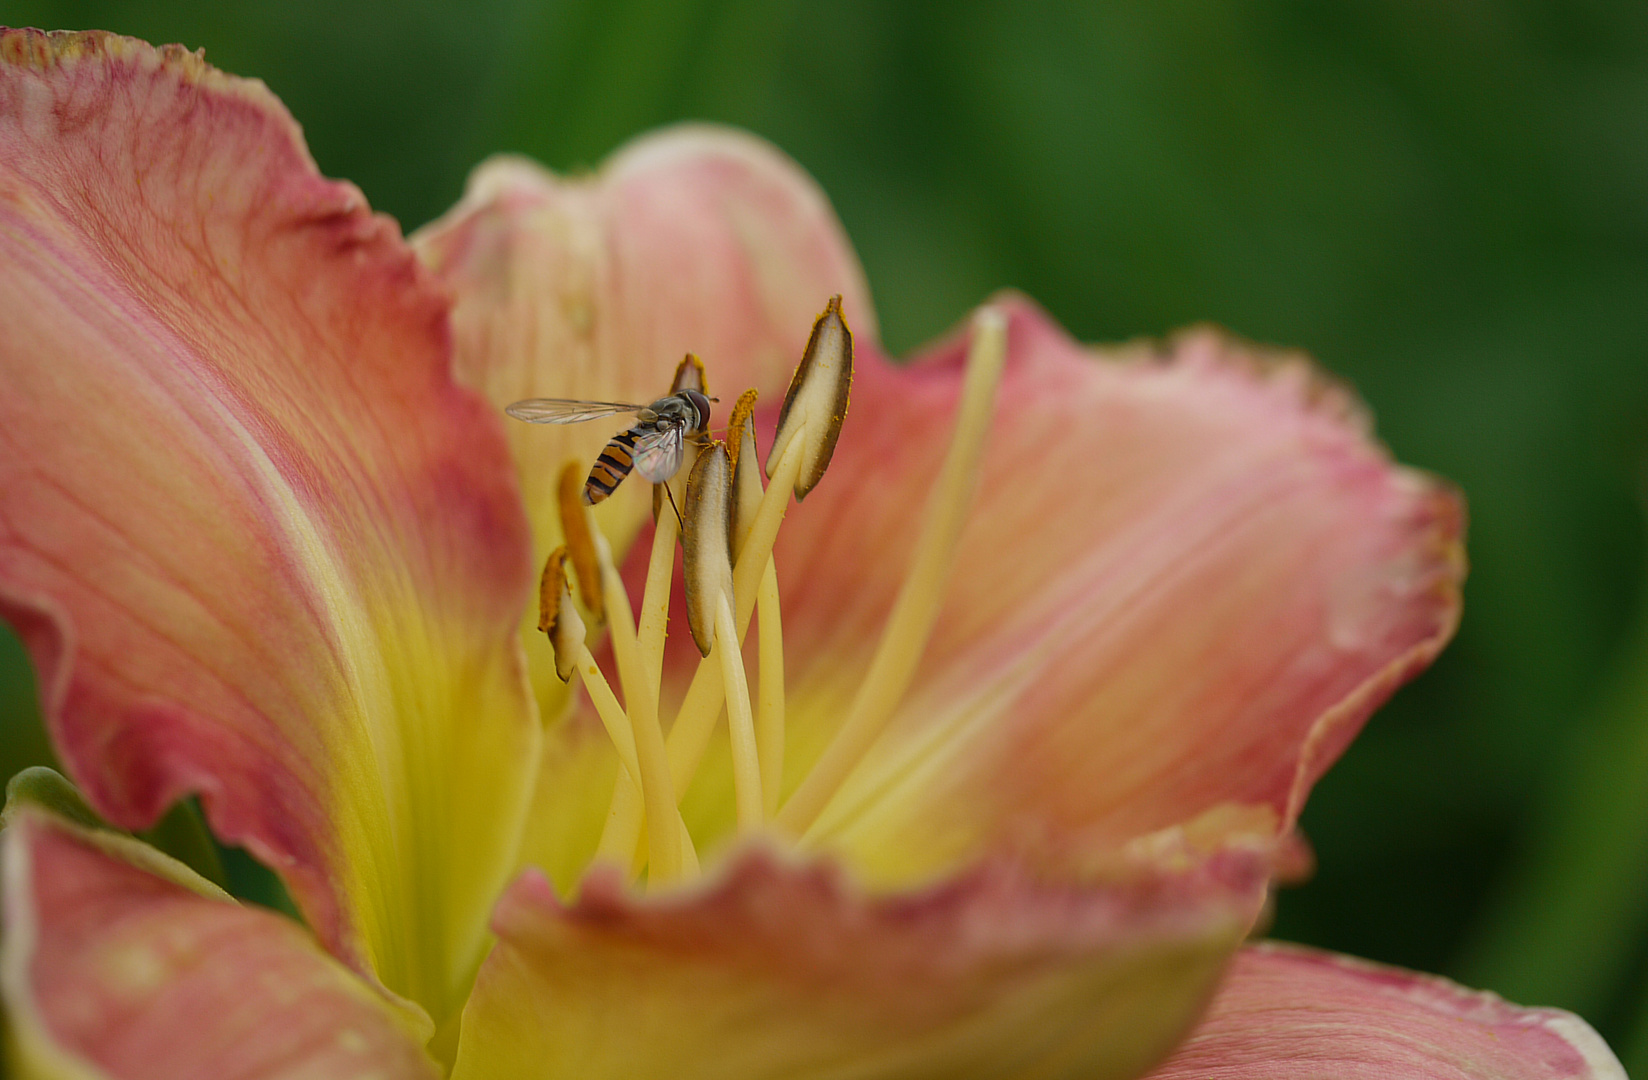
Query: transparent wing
549, 410
658, 454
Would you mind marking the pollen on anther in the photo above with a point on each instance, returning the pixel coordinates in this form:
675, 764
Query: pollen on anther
689, 375
580, 542
746, 469
558, 616
816, 403
706, 542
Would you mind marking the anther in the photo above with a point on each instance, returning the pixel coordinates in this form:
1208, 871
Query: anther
747, 492
746, 468
558, 616
689, 375
816, 403
705, 540
580, 541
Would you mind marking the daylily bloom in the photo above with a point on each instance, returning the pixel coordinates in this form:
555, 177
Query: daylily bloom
1093, 623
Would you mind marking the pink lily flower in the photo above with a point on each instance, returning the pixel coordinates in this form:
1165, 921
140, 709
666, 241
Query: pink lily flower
1093, 621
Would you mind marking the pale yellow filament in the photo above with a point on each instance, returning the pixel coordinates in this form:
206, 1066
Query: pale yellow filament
656, 599
640, 697
612, 714
769, 717
746, 762
622, 832
904, 638
657, 771
618, 728
695, 723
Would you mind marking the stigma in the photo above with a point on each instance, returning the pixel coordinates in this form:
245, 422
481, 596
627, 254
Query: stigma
724, 512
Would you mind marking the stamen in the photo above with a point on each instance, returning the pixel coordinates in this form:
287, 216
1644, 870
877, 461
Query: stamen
657, 791
558, 615
908, 628
611, 713
655, 597
580, 543
695, 723
619, 844
620, 837
809, 426
689, 375
816, 403
690, 735
769, 717
746, 758
746, 472
708, 566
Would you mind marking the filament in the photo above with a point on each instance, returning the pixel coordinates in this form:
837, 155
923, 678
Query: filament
655, 600
746, 762
657, 791
769, 718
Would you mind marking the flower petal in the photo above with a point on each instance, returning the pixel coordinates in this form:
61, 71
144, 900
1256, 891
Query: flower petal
111, 970
778, 971
695, 239
259, 543
1288, 1013
1184, 583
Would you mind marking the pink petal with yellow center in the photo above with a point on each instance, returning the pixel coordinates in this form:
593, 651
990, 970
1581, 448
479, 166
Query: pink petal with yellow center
781, 970
1287, 1013
1186, 579
695, 239
258, 542
112, 971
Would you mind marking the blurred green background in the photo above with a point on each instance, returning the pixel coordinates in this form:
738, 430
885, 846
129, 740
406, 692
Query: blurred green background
1445, 202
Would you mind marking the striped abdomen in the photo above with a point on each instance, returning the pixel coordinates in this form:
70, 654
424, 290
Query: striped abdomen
615, 462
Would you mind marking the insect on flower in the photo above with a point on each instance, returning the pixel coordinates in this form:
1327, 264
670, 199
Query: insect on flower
654, 444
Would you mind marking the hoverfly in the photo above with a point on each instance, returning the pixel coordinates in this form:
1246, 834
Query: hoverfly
654, 445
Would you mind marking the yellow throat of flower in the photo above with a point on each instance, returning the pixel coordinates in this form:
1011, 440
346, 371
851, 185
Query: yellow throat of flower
728, 523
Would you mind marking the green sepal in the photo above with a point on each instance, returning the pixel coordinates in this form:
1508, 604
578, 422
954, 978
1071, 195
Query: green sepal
181, 833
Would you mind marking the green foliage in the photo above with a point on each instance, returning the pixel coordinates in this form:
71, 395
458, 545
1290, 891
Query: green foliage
1445, 203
